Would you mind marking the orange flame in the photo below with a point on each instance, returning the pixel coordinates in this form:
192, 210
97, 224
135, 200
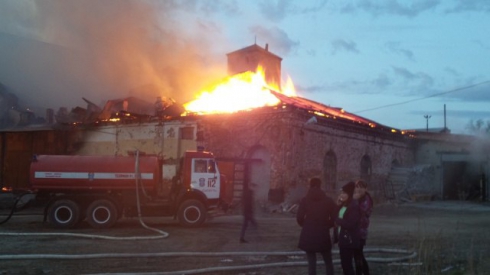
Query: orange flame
240, 92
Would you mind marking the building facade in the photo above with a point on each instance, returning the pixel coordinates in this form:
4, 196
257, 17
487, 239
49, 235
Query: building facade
279, 148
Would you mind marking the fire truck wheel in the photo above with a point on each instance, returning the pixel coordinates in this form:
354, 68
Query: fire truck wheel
192, 213
64, 213
102, 214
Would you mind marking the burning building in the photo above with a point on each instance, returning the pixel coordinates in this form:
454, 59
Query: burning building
260, 131
263, 133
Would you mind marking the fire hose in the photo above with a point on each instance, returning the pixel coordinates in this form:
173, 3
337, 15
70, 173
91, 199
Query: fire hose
14, 208
162, 234
138, 182
409, 255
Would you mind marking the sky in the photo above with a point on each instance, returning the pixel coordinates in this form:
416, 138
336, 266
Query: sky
391, 61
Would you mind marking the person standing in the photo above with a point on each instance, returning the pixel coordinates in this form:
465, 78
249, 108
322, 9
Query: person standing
347, 227
248, 210
365, 207
315, 215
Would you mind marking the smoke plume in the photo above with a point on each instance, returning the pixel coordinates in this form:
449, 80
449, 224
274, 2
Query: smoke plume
54, 52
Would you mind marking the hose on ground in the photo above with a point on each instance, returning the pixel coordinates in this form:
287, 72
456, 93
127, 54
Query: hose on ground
408, 255
14, 207
411, 255
87, 236
201, 254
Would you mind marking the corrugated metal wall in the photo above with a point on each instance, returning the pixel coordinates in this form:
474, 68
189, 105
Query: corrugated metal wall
18, 148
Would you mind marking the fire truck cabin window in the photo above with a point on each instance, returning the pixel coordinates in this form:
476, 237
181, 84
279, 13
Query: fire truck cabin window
200, 166
211, 167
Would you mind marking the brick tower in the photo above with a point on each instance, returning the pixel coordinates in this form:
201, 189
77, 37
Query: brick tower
249, 58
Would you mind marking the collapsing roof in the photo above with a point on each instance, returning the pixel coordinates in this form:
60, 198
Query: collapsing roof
129, 109
132, 109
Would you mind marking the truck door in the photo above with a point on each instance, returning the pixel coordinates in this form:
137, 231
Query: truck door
205, 177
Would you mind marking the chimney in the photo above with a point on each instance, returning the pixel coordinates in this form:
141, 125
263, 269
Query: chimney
267, 47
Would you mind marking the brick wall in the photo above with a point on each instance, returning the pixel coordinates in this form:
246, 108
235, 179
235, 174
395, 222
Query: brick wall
298, 150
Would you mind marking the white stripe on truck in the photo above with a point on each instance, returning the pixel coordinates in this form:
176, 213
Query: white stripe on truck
87, 175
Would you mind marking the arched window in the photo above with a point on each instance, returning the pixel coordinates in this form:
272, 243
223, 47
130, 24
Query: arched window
366, 168
330, 170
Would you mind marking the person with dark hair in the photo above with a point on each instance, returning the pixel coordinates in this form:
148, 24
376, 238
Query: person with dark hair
315, 215
365, 207
347, 227
248, 210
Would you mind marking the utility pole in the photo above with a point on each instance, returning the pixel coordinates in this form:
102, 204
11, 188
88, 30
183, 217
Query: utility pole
427, 122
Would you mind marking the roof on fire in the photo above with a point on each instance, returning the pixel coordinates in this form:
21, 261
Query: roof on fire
324, 110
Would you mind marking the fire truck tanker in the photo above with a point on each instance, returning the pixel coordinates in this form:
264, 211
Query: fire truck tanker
102, 189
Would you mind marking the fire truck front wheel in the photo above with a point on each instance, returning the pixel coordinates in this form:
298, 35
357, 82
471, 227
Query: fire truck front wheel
192, 213
102, 214
64, 213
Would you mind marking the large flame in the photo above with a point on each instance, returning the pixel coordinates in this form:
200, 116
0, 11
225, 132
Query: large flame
240, 92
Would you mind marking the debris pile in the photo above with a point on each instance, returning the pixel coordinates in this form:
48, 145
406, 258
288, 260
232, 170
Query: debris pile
124, 110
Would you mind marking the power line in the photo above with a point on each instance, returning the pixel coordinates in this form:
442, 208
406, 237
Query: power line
417, 99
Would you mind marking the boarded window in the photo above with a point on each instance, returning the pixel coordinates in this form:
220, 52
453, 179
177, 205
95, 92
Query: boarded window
187, 133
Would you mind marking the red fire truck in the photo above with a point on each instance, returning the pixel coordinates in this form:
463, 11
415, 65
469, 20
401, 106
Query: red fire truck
102, 189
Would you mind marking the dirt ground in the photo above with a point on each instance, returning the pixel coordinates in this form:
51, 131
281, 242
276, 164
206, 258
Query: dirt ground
449, 238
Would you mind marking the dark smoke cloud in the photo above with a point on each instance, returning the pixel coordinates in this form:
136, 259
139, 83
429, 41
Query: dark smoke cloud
54, 52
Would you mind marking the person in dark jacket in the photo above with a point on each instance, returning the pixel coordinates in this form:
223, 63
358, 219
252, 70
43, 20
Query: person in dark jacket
248, 210
347, 227
315, 215
365, 207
